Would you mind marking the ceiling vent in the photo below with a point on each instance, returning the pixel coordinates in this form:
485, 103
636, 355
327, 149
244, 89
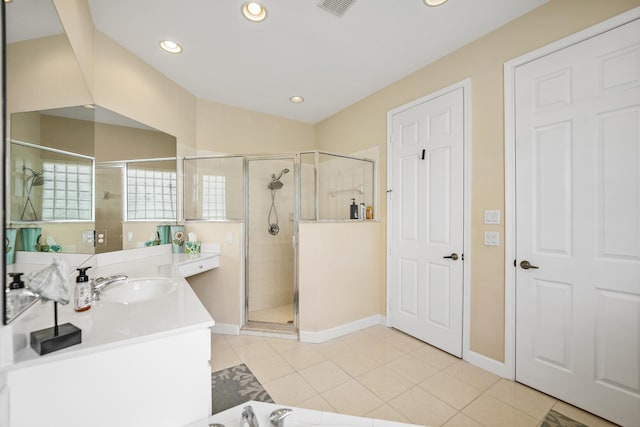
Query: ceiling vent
336, 7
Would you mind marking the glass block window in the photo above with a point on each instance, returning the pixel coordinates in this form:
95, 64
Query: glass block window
151, 194
213, 197
66, 192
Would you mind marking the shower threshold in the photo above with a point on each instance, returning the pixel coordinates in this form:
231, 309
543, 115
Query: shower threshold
269, 327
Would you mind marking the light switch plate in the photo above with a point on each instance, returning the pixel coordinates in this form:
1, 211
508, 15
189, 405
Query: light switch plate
229, 238
492, 217
87, 238
492, 238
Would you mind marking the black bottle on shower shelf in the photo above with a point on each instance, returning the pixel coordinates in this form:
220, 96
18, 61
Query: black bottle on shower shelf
353, 210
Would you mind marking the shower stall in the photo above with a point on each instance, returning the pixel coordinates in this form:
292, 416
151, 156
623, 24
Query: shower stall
270, 241
271, 195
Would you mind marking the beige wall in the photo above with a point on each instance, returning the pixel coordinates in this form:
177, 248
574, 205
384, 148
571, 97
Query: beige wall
43, 74
364, 124
126, 143
225, 129
336, 284
220, 289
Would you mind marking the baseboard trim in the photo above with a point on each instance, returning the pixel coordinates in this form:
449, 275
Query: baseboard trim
226, 329
339, 331
488, 364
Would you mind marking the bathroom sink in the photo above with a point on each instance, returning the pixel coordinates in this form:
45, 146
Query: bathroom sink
138, 290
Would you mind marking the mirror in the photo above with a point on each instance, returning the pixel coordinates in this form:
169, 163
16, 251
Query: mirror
44, 85
52, 186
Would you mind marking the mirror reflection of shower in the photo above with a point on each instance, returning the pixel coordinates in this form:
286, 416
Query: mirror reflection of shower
35, 179
275, 184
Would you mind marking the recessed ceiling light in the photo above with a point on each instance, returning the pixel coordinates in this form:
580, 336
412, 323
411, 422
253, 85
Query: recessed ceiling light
296, 99
89, 106
170, 46
434, 2
254, 11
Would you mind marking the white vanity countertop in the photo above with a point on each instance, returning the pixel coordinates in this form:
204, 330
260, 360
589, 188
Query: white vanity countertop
107, 324
299, 417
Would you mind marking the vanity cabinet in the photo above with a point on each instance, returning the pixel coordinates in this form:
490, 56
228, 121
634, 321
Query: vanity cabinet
190, 266
153, 381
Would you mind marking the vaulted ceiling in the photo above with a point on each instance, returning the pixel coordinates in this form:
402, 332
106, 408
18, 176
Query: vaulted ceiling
300, 49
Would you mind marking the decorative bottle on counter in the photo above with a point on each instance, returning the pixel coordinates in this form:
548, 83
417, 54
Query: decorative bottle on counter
83, 290
362, 213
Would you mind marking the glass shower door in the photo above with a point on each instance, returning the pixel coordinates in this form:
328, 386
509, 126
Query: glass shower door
270, 230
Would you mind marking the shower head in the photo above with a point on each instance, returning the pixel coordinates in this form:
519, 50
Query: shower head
273, 175
275, 183
36, 177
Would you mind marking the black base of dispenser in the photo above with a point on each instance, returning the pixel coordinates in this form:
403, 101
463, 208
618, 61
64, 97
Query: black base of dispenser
46, 341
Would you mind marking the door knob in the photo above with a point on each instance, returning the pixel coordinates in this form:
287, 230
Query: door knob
453, 256
527, 265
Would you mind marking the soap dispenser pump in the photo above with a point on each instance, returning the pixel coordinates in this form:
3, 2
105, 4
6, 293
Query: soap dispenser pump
353, 211
83, 290
16, 282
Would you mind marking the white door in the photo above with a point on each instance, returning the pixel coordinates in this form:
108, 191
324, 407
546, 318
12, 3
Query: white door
578, 224
425, 293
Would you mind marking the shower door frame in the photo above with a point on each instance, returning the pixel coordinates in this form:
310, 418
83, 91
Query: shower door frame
272, 326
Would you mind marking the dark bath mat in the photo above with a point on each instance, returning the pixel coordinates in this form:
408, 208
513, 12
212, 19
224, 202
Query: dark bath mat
235, 385
556, 419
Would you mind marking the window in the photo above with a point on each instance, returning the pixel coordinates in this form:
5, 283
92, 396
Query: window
151, 194
67, 189
213, 198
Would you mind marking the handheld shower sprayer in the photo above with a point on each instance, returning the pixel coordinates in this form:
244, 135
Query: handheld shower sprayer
274, 185
273, 175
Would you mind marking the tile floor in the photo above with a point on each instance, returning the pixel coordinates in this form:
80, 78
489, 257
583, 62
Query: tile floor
280, 314
382, 373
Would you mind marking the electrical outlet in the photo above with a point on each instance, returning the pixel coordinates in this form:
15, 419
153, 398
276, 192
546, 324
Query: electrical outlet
229, 238
492, 238
129, 236
101, 237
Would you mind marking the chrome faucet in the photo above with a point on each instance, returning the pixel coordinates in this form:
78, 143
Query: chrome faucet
277, 417
249, 418
98, 285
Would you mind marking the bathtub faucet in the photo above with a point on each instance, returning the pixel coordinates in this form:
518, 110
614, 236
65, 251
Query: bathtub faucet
249, 418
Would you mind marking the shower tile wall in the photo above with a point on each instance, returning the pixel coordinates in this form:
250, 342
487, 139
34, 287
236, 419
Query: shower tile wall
340, 180
231, 170
271, 258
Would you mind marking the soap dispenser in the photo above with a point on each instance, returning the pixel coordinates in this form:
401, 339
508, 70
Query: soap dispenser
353, 211
83, 290
14, 295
